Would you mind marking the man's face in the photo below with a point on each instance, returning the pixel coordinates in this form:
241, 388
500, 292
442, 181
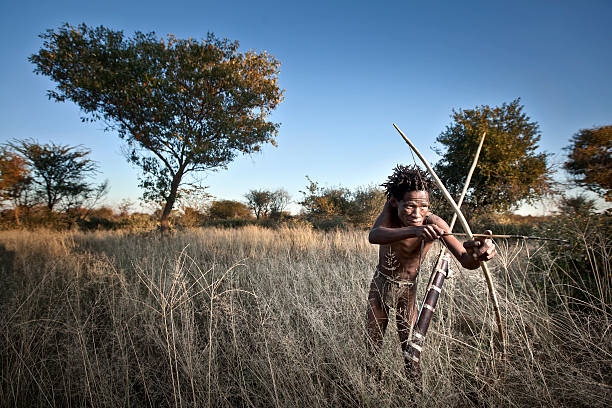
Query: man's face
412, 208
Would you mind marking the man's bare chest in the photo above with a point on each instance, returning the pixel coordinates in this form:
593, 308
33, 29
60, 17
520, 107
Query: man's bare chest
402, 255
406, 249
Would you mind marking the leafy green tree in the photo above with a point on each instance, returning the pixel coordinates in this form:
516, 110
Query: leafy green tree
226, 209
259, 201
181, 105
590, 159
509, 171
59, 174
15, 180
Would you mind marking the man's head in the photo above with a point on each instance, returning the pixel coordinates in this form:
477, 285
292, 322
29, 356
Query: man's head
408, 190
406, 178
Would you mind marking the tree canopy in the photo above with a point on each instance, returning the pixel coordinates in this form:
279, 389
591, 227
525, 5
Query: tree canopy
259, 201
509, 171
590, 159
181, 105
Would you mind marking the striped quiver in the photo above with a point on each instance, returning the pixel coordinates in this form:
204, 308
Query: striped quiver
412, 353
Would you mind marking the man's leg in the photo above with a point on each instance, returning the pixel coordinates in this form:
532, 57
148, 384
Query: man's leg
406, 314
377, 317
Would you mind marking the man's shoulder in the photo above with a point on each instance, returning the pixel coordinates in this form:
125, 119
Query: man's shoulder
435, 219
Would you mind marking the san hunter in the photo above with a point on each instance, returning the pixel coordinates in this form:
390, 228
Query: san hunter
405, 230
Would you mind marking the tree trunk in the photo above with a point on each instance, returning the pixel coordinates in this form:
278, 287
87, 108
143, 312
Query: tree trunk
16, 212
165, 227
50, 200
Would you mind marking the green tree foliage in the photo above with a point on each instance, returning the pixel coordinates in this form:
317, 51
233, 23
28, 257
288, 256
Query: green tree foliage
60, 174
509, 169
181, 105
15, 180
227, 209
335, 206
259, 201
590, 159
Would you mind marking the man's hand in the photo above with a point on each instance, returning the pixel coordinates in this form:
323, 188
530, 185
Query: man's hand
429, 232
481, 248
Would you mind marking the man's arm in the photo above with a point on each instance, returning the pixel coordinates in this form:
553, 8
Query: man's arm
384, 232
472, 252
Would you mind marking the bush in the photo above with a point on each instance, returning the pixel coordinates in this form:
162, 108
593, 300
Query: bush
336, 207
226, 209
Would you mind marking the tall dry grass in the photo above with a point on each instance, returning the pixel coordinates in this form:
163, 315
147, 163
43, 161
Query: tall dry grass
257, 317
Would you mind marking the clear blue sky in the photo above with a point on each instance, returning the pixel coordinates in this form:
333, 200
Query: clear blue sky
350, 69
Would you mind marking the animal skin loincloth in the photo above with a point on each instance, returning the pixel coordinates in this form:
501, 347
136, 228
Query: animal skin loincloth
389, 290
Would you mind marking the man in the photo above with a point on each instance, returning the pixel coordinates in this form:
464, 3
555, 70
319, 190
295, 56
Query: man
405, 230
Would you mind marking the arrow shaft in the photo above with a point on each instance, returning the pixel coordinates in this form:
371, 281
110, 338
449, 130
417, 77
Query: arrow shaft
505, 236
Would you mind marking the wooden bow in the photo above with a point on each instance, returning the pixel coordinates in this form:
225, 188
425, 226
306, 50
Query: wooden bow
466, 227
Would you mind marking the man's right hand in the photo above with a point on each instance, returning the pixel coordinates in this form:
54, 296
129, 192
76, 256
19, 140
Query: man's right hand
429, 232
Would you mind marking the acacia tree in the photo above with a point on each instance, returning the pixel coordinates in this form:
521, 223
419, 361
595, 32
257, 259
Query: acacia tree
181, 105
509, 171
59, 174
259, 201
590, 159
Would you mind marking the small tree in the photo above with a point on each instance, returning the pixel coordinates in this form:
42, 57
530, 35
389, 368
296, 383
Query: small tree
259, 201
124, 207
590, 159
181, 105
279, 201
509, 169
15, 180
59, 173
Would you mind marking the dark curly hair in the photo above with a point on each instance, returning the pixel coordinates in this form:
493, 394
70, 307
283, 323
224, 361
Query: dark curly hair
407, 178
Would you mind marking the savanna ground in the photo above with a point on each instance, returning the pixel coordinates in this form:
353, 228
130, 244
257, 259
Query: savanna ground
263, 317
